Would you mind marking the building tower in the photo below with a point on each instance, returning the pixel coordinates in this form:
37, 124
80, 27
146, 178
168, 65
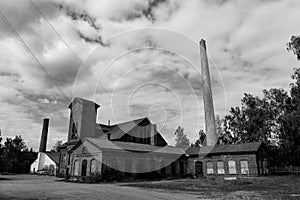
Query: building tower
82, 119
210, 125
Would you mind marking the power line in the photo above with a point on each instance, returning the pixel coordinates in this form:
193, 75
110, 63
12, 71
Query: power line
67, 45
47, 21
31, 53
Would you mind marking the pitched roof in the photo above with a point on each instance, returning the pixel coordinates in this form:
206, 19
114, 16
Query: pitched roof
118, 130
128, 146
250, 147
54, 156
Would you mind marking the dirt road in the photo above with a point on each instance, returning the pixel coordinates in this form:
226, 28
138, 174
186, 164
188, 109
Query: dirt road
44, 187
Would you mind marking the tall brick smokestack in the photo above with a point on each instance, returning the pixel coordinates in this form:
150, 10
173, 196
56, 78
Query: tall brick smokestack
43, 143
210, 125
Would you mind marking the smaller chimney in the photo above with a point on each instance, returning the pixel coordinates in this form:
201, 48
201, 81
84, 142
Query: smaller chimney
43, 143
108, 123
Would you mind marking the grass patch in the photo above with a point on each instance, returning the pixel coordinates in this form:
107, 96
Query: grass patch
275, 187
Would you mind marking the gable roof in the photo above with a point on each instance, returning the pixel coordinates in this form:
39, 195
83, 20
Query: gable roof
129, 146
251, 147
54, 156
119, 130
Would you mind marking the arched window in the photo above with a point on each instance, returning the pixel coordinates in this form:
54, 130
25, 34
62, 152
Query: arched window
84, 150
244, 167
140, 166
209, 167
76, 168
173, 168
93, 166
63, 159
232, 167
162, 168
83, 168
181, 167
220, 165
128, 165
152, 165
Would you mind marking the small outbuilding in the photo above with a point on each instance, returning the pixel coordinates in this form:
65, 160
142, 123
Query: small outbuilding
245, 159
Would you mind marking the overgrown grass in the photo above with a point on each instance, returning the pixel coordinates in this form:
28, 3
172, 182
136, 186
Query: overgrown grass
275, 187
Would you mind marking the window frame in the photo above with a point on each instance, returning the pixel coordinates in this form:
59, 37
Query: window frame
212, 168
229, 171
218, 168
246, 161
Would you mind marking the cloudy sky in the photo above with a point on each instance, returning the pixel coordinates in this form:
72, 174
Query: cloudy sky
137, 58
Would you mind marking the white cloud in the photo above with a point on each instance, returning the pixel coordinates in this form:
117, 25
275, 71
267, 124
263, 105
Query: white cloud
245, 41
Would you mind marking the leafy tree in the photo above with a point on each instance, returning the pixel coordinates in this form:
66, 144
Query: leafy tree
200, 141
15, 156
294, 46
273, 119
181, 139
251, 122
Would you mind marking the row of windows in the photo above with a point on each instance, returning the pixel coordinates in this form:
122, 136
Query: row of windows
231, 167
93, 167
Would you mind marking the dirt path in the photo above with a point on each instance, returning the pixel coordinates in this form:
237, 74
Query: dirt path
44, 187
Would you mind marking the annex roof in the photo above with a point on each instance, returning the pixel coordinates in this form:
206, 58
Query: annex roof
251, 147
54, 156
129, 146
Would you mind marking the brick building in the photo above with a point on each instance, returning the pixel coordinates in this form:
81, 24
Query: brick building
245, 159
132, 147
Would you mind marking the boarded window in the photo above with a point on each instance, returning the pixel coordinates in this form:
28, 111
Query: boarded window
93, 166
265, 167
128, 165
152, 165
173, 168
76, 168
63, 159
220, 165
163, 168
209, 167
232, 167
140, 167
244, 167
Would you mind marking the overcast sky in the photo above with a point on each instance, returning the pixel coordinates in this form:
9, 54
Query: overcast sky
138, 58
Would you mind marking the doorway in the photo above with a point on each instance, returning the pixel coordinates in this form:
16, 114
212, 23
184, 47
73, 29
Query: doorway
83, 168
199, 169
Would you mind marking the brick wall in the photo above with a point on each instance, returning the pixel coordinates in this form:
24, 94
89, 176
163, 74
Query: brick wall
250, 158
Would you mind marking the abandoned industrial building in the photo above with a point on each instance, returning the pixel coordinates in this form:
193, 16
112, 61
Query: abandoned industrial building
136, 147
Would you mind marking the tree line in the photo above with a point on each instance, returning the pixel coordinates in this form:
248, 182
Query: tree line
273, 119
15, 157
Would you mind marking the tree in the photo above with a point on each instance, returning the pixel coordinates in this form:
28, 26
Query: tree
56, 146
181, 139
294, 46
200, 141
251, 122
15, 156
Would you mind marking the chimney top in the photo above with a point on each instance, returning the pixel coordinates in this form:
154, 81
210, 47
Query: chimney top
203, 44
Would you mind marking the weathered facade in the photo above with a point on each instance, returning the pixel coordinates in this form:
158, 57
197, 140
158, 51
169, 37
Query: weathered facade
246, 159
133, 147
